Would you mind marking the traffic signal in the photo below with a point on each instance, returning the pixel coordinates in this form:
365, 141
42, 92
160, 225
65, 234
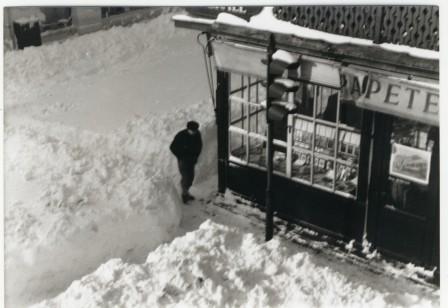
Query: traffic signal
281, 88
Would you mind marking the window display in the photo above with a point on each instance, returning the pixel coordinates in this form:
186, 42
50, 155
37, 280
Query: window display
325, 139
409, 167
257, 151
279, 159
303, 133
301, 165
323, 172
315, 146
325, 148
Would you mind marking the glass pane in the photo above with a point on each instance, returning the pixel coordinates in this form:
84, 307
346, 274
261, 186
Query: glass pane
350, 115
412, 134
236, 82
349, 143
304, 98
303, 133
301, 165
279, 159
257, 120
238, 114
237, 145
346, 179
257, 92
324, 141
323, 172
327, 104
257, 151
407, 196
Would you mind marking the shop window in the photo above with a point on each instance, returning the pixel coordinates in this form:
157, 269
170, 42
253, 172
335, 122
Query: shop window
247, 130
325, 148
319, 145
410, 162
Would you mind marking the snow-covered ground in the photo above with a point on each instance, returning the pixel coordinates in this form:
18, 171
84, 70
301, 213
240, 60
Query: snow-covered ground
88, 171
90, 184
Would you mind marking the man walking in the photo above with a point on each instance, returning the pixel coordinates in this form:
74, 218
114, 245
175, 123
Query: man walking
187, 146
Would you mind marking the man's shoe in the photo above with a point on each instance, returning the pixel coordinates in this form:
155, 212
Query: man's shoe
185, 199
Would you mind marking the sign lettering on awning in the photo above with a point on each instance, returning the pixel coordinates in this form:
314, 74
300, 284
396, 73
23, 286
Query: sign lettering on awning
404, 98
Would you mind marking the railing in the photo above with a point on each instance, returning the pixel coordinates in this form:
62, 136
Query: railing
416, 26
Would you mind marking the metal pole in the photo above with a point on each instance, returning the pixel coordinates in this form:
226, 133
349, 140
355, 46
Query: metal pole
222, 107
269, 150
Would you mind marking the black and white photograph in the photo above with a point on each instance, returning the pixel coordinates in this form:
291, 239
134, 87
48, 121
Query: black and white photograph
215, 154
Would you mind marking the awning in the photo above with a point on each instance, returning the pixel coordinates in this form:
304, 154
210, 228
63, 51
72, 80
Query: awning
249, 60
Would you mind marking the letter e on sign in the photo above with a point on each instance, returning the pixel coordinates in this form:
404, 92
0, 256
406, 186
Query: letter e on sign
390, 94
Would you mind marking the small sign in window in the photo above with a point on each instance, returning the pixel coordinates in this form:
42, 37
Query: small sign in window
410, 163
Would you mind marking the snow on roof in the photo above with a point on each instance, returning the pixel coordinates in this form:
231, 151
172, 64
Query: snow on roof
25, 15
266, 21
191, 19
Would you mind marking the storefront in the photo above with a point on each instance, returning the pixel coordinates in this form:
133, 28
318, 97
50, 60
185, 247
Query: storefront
355, 148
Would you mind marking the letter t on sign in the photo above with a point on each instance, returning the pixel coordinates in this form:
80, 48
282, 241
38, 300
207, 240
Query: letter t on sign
411, 96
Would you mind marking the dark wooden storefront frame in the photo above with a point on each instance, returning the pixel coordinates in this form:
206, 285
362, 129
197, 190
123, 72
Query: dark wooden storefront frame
331, 214
429, 250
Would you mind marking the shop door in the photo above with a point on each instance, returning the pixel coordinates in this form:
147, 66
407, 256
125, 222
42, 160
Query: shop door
403, 215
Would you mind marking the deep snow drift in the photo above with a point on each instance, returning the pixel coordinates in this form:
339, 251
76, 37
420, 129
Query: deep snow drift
220, 266
88, 172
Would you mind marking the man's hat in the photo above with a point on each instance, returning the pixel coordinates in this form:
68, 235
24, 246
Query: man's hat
193, 125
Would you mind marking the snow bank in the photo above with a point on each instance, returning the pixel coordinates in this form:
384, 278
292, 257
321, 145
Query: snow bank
75, 198
219, 266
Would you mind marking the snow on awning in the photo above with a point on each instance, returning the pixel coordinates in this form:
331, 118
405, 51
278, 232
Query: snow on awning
239, 58
266, 21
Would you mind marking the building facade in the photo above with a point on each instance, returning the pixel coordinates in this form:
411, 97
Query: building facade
354, 122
